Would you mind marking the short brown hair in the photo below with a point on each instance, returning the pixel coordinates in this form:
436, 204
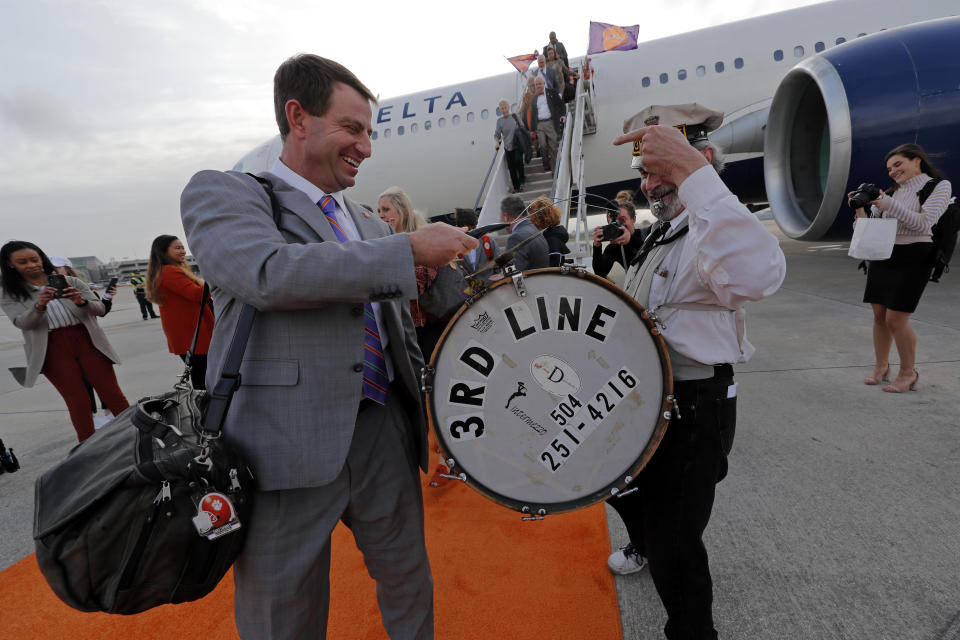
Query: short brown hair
465, 217
309, 79
543, 213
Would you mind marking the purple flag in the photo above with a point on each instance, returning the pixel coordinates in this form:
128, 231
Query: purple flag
610, 37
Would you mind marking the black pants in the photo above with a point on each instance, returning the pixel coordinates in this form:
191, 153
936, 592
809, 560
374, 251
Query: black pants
145, 306
667, 515
515, 165
198, 370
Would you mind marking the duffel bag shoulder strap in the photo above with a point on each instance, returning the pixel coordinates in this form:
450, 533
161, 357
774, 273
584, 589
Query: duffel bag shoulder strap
230, 379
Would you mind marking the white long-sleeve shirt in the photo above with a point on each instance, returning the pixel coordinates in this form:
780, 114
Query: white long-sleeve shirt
726, 259
914, 221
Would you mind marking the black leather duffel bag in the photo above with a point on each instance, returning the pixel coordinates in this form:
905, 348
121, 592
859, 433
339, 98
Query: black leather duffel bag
149, 510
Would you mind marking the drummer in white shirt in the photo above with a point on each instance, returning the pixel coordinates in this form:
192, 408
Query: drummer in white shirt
705, 258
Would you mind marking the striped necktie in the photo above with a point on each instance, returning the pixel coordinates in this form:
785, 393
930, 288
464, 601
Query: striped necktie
375, 379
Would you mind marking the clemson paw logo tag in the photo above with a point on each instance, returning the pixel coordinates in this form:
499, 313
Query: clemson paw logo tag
215, 516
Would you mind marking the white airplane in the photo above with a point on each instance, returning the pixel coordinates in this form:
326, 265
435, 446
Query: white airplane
813, 98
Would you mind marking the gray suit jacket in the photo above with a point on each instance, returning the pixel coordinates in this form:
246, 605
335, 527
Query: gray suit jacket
535, 255
293, 417
25, 317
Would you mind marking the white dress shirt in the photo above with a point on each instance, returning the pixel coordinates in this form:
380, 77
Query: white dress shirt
726, 259
348, 226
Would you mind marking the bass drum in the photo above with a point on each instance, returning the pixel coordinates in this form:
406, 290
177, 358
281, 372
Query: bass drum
549, 390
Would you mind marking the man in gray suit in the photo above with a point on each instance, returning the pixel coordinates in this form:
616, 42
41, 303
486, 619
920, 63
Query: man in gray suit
329, 412
536, 253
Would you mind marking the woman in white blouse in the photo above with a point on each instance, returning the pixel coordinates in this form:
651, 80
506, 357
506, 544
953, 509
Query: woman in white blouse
894, 285
62, 339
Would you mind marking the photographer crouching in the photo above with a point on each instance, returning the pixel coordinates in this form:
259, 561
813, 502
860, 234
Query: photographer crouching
706, 256
624, 238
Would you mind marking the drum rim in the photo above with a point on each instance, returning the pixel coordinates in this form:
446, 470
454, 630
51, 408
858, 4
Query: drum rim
609, 490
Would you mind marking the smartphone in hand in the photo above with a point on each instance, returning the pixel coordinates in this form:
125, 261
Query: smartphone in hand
59, 282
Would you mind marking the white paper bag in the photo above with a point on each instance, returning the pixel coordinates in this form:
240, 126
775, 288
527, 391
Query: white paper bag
873, 238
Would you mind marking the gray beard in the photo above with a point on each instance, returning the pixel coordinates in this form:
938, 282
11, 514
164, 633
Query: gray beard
664, 210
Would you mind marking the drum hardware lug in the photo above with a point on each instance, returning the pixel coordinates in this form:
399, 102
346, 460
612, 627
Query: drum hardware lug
426, 377
676, 406
517, 277
540, 515
655, 319
666, 415
462, 477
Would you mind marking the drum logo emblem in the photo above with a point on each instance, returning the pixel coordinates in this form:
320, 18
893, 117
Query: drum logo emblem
483, 322
555, 376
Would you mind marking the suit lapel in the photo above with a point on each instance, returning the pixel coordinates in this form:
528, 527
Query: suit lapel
297, 203
367, 224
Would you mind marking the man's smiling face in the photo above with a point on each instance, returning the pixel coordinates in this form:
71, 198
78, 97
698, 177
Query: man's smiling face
338, 141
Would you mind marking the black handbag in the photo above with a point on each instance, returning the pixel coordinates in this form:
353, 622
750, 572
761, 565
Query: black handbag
521, 137
151, 509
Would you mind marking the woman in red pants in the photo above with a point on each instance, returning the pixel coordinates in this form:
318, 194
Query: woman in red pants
62, 339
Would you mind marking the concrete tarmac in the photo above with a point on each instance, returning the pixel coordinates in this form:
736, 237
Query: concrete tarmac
839, 518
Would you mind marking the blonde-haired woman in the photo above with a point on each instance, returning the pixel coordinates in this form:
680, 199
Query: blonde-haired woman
396, 209
172, 286
546, 216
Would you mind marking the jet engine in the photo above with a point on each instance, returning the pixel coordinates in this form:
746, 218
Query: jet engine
836, 115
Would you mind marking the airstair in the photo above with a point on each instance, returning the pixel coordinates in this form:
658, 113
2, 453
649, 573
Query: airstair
559, 186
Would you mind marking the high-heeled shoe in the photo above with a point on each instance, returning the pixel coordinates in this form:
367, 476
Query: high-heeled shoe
912, 385
878, 376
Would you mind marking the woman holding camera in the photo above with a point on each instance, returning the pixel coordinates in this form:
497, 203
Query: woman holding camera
894, 285
174, 288
62, 340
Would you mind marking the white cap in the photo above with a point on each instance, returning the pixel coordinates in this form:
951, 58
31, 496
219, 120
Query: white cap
59, 261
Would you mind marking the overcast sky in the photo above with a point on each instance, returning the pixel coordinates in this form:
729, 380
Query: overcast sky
107, 107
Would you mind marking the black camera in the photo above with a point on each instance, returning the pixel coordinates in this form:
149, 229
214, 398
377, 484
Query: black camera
611, 231
865, 193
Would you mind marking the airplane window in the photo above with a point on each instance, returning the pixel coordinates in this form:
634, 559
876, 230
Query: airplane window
682, 74
719, 67
663, 78
484, 114
413, 127
778, 55
386, 133
798, 51
738, 63
818, 47
469, 116
441, 122
400, 130
860, 35
455, 120
373, 136
646, 81
498, 112
841, 40
426, 125
701, 71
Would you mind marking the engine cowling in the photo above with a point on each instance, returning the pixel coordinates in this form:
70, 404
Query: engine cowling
836, 115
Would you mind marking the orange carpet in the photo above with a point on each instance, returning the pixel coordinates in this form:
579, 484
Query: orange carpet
495, 578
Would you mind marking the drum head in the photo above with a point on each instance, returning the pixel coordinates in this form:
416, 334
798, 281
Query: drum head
551, 401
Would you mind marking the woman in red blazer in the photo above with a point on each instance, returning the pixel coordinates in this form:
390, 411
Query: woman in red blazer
177, 291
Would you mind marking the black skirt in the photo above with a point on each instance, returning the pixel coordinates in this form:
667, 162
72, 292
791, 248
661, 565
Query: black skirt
898, 282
